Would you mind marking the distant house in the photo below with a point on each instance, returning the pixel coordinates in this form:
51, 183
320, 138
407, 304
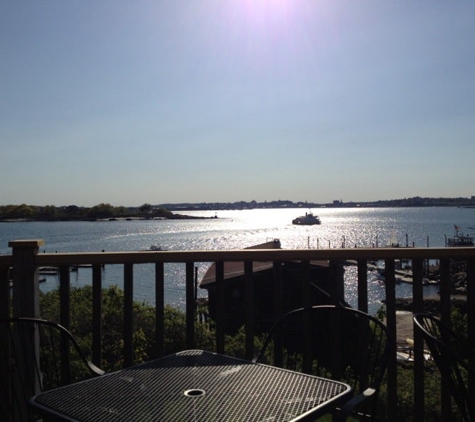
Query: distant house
263, 276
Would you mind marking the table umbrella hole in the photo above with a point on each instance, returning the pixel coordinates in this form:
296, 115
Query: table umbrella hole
195, 392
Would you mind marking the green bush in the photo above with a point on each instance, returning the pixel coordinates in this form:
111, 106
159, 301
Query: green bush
144, 343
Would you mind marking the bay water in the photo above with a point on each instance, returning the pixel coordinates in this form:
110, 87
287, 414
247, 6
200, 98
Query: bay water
238, 229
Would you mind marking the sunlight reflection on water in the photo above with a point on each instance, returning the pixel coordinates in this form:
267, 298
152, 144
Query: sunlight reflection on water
238, 229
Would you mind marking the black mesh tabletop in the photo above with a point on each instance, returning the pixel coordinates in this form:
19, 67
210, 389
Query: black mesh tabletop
194, 385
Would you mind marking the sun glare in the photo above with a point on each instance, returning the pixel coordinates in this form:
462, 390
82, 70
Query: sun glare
268, 13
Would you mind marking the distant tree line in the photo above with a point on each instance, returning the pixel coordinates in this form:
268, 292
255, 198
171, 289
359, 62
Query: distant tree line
416, 201
73, 212
148, 211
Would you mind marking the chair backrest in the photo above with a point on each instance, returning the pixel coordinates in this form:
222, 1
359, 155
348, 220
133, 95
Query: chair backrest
451, 355
331, 341
36, 355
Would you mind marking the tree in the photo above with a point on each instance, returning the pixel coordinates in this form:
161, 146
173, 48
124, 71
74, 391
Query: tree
17, 211
101, 211
145, 208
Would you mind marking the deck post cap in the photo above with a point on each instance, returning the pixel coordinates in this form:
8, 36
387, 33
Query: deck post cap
26, 243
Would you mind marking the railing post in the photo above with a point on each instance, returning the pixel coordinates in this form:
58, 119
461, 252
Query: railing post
25, 276
25, 303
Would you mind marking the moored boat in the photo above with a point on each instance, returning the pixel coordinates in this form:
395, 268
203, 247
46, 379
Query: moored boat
156, 248
459, 239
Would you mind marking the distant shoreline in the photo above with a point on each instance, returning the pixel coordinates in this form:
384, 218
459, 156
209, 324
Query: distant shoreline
413, 202
24, 212
111, 219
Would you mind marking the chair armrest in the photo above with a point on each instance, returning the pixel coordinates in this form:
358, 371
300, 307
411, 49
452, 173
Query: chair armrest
95, 369
346, 409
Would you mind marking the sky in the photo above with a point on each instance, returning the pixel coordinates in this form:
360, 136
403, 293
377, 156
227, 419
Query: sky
166, 101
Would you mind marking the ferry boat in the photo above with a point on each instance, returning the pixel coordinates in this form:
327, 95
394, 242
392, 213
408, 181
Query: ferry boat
306, 220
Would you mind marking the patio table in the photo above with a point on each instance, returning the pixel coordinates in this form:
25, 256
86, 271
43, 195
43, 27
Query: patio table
195, 385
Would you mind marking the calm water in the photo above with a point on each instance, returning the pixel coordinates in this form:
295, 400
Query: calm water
240, 229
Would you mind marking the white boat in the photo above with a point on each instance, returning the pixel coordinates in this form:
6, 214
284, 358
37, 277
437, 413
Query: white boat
306, 220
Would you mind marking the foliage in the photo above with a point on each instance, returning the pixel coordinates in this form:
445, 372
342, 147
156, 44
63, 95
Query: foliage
101, 211
73, 212
235, 344
405, 388
145, 208
16, 211
112, 320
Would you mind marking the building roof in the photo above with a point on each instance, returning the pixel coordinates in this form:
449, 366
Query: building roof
236, 269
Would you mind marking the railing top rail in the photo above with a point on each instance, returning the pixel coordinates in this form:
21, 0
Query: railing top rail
6, 260
253, 255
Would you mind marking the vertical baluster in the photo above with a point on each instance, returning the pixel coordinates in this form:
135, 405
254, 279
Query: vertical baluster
190, 306
305, 284
128, 314
65, 321
417, 306
363, 285
337, 287
471, 319
160, 308
97, 315
4, 291
391, 324
220, 307
445, 305
249, 309
277, 285
64, 296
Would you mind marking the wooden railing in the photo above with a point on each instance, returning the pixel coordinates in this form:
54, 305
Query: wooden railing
22, 300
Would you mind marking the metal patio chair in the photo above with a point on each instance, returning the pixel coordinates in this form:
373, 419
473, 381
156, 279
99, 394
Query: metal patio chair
334, 342
36, 355
451, 355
